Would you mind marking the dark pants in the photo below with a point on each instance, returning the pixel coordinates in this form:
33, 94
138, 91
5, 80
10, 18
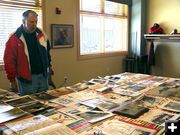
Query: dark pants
39, 84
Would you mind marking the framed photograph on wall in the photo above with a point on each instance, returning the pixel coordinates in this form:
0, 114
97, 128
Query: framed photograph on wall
62, 35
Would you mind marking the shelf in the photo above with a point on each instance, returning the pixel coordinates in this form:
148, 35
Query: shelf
167, 37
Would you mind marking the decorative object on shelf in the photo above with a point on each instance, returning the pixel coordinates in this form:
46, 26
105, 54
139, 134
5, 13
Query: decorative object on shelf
62, 35
156, 29
175, 31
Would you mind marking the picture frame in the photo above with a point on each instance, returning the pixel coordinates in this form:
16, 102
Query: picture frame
62, 35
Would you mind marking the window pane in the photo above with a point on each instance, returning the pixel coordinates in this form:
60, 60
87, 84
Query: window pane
115, 34
90, 34
90, 5
115, 8
10, 20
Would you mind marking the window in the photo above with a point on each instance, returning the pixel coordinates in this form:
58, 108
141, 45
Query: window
103, 27
11, 18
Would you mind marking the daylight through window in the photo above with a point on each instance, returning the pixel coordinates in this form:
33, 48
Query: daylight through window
103, 27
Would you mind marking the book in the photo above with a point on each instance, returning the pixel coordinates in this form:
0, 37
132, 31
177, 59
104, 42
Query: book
131, 110
11, 114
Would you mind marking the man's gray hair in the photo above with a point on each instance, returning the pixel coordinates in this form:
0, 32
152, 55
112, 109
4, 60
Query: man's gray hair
26, 14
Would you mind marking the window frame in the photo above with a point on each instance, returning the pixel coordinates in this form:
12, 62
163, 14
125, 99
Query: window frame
103, 54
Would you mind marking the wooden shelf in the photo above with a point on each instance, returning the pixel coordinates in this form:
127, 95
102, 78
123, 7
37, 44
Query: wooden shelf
167, 37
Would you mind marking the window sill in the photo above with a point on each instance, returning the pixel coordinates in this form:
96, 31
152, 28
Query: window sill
101, 55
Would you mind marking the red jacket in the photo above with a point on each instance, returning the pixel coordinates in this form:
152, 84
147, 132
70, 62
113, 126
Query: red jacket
16, 57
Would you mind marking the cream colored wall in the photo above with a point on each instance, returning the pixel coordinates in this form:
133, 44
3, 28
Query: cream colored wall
167, 54
164, 12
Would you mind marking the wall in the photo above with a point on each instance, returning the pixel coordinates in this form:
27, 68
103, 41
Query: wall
64, 61
167, 54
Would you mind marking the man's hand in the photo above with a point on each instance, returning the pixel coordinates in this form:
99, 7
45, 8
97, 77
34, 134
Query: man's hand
51, 72
13, 86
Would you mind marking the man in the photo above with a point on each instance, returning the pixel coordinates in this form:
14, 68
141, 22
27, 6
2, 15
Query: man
27, 57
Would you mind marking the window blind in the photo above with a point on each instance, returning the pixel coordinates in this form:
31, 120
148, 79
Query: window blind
11, 18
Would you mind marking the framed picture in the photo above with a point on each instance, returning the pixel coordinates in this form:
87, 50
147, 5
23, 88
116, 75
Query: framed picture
62, 35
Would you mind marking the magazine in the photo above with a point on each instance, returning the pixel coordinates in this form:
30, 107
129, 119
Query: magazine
59, 92
94, 116
158, 116
131, 110
35, 108
43, 96
171, 106
116, 127
60, 117
116, 98
11, 114
77, 87
66, 100
30, 124
5, 107
21, 101
79, 126
55, 129
148, 101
